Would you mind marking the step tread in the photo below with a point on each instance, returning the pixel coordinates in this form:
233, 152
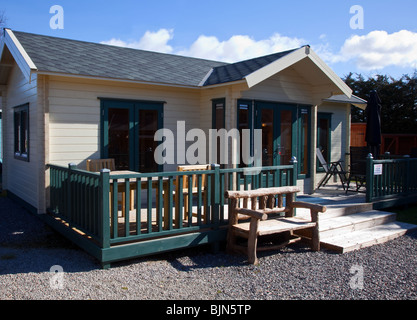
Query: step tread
355, 218
368, 237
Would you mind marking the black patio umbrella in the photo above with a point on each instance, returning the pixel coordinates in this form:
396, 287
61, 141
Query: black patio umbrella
373, 124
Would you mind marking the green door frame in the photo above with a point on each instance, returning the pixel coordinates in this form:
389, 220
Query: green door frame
134, 107
277, 108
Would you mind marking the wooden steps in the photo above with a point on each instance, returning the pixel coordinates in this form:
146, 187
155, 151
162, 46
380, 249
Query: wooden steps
347, 226
367, 237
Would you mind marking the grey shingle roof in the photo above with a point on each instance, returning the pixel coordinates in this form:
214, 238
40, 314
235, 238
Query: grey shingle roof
51, 54
237, 71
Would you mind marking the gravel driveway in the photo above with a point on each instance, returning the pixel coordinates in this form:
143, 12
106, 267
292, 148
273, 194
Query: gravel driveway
29, 250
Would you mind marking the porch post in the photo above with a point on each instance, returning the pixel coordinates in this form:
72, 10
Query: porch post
105, 208
313, 149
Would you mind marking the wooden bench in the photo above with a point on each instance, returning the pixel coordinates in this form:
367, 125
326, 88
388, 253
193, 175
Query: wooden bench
268, 216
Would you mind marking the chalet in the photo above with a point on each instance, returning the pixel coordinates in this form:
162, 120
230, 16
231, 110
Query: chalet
66, 101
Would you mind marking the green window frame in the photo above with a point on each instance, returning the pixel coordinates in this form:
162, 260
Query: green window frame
21, 132
135, 107
301, 128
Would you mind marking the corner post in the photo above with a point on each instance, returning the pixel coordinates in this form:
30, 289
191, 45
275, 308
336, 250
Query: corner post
105, 209
369, 177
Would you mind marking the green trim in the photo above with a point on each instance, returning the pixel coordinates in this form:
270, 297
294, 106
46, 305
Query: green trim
215, 103
17, 149
155, 246
134, 107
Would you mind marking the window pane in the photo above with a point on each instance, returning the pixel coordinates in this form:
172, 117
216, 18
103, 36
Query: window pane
285, 149
118, 126
24, 133
17, 132
243, 117
323, 141
267, 120
304, 144
148, 125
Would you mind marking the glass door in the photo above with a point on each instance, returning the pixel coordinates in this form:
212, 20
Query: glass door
277, 123
118, 137
127, 135
149, 121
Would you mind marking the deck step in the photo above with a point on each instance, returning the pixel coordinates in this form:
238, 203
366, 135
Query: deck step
353, 222
367, 237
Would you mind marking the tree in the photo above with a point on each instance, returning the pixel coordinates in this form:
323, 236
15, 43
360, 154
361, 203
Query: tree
398, 98
3, 20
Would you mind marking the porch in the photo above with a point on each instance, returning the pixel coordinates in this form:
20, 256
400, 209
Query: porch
166, 211
85, 206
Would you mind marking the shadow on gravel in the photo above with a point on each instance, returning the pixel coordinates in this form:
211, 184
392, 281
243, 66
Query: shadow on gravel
27, 244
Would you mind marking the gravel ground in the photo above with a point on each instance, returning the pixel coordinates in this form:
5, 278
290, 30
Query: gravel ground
29, 249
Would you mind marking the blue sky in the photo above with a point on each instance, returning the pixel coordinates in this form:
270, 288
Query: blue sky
232, 30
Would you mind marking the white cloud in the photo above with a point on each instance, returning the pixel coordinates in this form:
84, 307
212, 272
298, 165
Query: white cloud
237, 48
375, 50
378, 49
152, 41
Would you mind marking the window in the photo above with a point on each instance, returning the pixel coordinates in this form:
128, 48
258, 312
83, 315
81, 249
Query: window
218, 122
128, 131
323, 136
21, 132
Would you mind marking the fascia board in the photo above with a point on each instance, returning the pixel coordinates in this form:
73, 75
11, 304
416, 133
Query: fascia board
21, 57
269, 70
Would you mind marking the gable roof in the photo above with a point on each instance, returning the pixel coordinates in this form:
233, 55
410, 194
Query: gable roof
64, 56
353, 100
239, 70
51, 55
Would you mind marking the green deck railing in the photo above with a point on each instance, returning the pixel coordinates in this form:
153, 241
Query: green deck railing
391, 178
89, 204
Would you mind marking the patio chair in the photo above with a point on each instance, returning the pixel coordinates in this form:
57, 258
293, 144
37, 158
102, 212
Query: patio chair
194, 186
95, 165
357, 169
331, 169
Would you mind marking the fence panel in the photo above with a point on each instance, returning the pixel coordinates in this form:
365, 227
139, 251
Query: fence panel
390, 178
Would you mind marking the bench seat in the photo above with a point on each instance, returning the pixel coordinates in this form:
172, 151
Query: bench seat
273, 226
265, 204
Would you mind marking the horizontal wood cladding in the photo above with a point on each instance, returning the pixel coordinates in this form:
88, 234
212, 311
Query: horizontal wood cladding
75, 113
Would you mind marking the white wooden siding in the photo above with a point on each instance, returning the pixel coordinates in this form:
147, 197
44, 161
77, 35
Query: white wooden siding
286, 86
21, 177
74, 128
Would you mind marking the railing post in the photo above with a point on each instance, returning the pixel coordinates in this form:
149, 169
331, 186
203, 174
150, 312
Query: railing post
105, 209
215, 209
71, 166
406, 176
294, 163
369, 177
